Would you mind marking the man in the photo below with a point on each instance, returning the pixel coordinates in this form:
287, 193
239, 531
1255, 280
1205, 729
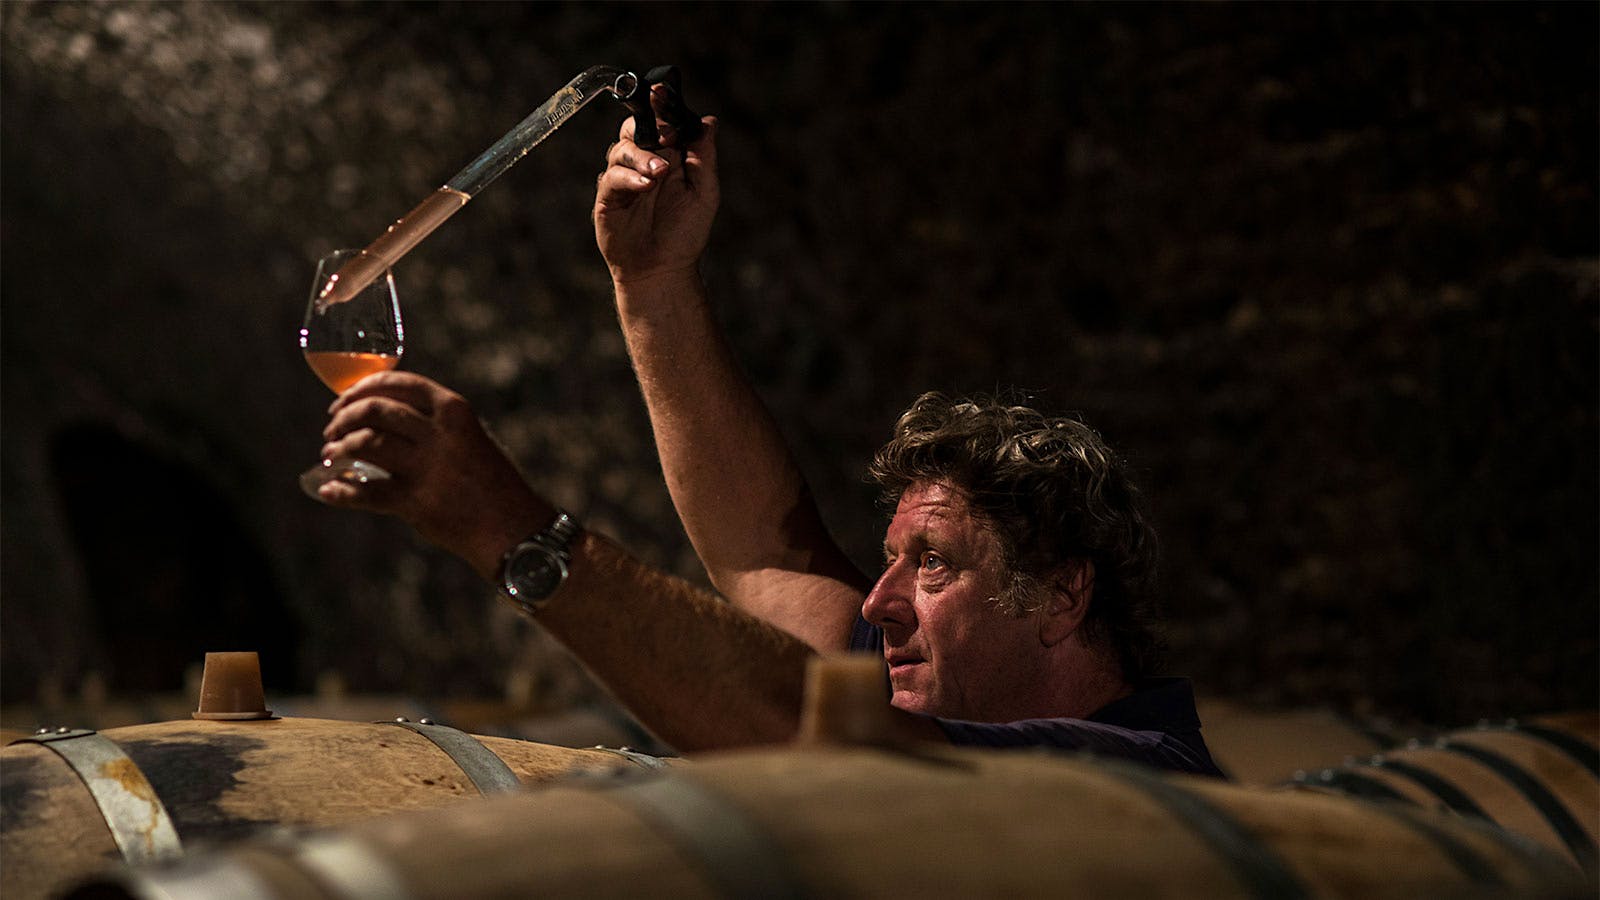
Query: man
1016, 564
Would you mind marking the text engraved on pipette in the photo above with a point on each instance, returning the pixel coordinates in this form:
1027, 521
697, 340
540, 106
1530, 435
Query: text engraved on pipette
563, 105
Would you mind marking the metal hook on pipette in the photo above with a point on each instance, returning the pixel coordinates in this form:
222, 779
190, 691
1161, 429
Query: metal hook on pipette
685, 122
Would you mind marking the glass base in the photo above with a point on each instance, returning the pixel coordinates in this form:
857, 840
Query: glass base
349, 471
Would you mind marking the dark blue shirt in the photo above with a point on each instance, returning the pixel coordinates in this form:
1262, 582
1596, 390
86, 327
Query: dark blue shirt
1157, 724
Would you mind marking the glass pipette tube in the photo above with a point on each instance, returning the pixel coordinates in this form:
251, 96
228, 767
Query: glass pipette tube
410, 229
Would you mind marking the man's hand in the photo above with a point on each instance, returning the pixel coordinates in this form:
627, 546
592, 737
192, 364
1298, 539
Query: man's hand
451, 481
653, 210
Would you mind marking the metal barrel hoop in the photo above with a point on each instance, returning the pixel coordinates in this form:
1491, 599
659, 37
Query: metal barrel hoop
487, 772
139, 821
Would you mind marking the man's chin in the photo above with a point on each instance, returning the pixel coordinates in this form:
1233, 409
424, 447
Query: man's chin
912, 702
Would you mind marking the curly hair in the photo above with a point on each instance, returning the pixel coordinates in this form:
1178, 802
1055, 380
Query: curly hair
1053, 493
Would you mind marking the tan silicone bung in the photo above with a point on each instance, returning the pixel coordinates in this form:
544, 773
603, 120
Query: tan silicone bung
230, 688
846, 701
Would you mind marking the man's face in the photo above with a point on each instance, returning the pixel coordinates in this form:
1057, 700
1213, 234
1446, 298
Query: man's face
952, 651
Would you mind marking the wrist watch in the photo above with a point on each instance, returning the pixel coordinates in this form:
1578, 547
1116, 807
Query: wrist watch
532, 570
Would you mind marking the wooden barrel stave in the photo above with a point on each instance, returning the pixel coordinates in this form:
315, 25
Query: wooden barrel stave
8, 735
1263, 747
941, 822
1520, 781
49, 824
1583, 724
225, 781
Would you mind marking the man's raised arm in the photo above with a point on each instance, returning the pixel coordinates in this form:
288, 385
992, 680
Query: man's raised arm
735, 484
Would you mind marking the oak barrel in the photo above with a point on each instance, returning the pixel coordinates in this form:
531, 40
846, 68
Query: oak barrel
1537, 777
203, 783
848, 822
7, 736
1265, 746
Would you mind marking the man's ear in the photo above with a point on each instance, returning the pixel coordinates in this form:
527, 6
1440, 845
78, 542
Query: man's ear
1071, 588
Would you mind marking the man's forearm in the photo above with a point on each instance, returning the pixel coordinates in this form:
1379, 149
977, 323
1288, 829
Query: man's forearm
698, 672
735, 484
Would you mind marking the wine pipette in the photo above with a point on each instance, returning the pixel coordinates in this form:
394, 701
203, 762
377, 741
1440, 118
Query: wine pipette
409, 230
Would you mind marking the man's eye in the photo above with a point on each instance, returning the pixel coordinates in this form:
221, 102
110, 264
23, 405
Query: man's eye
931, 562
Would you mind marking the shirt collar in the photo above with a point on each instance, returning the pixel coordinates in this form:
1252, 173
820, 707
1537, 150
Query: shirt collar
1156, 704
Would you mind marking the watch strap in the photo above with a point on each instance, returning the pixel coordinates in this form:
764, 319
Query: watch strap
558, 535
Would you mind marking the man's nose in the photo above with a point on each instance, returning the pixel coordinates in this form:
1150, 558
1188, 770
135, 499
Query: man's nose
889, 601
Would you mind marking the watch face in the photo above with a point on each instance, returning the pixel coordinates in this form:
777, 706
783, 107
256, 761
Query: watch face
534, 572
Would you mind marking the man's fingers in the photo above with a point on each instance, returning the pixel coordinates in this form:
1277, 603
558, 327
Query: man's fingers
623, 180
620, 188
383, 449
704, 150
380, 414
373, 496
337, 493
418, 392
632, 156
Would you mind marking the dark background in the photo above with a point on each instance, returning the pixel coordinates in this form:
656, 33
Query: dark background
1326, 273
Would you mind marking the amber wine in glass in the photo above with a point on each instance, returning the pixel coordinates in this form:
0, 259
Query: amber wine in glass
345, 338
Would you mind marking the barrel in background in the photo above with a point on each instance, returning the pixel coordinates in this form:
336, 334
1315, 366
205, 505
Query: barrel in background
1539, 778
853, 822
1266, 746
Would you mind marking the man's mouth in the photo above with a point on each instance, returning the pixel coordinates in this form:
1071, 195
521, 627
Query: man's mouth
900, 662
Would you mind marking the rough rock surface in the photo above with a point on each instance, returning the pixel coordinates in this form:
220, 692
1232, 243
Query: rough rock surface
1326, 273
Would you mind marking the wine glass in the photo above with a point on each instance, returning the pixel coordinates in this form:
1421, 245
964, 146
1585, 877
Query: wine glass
346, 341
